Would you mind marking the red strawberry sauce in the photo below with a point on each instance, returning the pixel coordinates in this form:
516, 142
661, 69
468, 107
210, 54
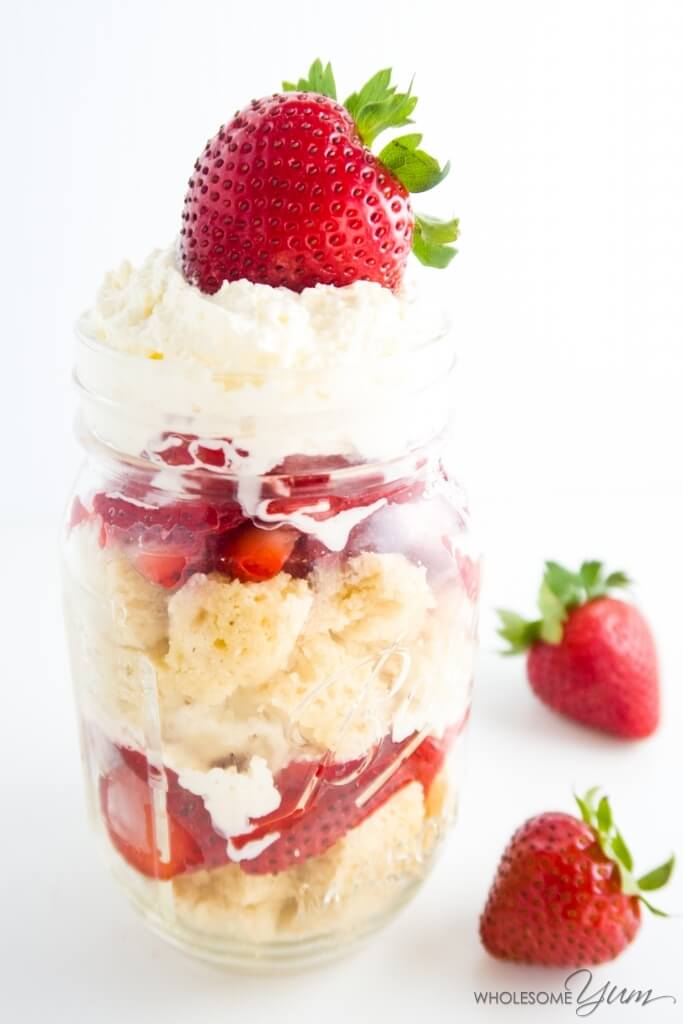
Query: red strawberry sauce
320, 802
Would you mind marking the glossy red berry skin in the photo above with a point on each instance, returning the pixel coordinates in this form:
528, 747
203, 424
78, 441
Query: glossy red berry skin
556, 899
286, 194
604, 671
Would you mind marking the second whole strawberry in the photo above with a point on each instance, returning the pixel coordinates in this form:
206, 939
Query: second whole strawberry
565, 894
590, 656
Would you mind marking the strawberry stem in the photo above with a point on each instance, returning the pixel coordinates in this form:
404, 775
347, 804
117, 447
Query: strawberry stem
378, 106
375, 108
561, 590
432, 238
600, 819
320, 80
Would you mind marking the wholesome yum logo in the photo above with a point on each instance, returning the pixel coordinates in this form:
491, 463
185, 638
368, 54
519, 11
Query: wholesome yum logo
580, 992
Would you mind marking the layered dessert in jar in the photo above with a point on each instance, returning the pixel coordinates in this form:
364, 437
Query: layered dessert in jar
271, 589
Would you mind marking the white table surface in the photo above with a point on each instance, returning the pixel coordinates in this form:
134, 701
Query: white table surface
73, 949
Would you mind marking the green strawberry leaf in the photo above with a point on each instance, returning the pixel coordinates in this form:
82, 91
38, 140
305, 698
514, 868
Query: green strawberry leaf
320, 80
590, 575
622, 851
604, 815
590, 796
413, 167
586, 813
438, 232
562, 590
653, 909
405, 142
617, 579
377, 89
429, 252
658, 877
565, 585
375, 118
614, 847
377, 106
519, 633
553, 614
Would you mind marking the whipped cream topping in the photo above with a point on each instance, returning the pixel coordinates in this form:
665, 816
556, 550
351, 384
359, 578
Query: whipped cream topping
357, 370
152, 311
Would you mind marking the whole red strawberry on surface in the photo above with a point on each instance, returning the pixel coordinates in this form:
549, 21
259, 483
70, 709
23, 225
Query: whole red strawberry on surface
289, 193
590, 656
564, 894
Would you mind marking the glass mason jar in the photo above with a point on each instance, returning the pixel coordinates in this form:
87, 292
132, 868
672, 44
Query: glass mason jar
272, 643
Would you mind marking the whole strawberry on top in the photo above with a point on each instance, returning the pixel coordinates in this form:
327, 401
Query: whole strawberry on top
564, 894
289, 192
590, 656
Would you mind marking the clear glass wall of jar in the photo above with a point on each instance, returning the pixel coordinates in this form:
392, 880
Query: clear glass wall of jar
272, 656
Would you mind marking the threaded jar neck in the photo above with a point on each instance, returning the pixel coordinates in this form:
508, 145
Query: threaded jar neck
140, 407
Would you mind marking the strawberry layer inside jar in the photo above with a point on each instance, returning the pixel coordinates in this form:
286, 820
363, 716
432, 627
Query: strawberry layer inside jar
169, 538
320, 801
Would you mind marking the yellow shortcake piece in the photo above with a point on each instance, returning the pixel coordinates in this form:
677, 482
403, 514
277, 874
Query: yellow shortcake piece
119, 601
357, 878
225, 634
344, 681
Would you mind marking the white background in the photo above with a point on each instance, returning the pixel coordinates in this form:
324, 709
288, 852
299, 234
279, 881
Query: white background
563, 124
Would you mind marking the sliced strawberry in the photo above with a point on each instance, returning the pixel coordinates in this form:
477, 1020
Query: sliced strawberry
176, 449
428, 758
167, 542
78, 514
302, 472
134, 515
341, 796
128, 813
186, 810
163, 568
470, 574
253, 554
308, 551
320, 802
321, 506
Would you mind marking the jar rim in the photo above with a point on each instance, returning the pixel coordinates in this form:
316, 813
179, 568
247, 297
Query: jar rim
133, 403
